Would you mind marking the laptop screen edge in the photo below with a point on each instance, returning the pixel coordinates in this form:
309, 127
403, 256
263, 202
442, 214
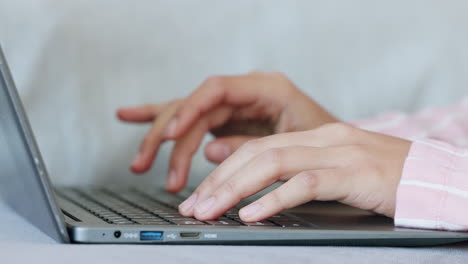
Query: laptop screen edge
35, 156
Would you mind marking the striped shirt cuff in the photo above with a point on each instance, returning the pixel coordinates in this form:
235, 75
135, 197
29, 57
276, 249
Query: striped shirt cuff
433, 191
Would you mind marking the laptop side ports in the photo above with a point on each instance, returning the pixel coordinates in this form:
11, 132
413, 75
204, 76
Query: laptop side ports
192, 235
151, 235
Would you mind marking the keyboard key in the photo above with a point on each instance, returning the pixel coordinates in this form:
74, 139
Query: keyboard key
232, 216
122, 222
132, 211
187, 222
173, 215
156, 224
152, 210
158, 211
108, 214
144, 217
151, 220
279, 216
224, 223
142, 222
103, 212
233, 211
168, 212
137, 215
115, 218
180, 219
259, 223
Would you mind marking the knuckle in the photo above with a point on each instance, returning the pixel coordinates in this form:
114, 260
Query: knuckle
272, 155
266, 74
273, 158
229, 187
334, 127
256, 73
358, 153
278, 201
310, 180
210, 180
208, 183
185, 153
215, 81
252, 146
178, 105
289, 89
279, 75
340, 130
147, 140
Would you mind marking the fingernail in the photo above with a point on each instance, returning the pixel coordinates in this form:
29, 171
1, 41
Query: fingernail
187, 204
137, 159
205, 205
250, 210
171, 128
171, 179
220, 150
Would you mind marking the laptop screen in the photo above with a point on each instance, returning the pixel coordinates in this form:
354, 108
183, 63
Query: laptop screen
24, 184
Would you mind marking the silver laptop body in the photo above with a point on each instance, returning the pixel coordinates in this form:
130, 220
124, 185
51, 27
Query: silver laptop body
125, 215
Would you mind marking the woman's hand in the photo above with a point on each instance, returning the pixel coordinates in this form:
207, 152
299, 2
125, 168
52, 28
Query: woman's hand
235, 109
334, 162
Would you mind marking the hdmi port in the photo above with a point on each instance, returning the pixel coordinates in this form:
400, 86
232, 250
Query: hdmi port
189, 234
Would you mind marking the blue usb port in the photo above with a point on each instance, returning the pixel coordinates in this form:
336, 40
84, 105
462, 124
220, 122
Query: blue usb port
151, 235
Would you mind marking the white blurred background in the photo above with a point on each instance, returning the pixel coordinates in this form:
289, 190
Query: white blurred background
75, 62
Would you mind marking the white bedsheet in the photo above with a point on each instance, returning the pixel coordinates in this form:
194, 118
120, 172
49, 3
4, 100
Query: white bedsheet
20, 242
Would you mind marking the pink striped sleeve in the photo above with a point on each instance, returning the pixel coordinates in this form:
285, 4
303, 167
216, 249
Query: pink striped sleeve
433, 191
448, 124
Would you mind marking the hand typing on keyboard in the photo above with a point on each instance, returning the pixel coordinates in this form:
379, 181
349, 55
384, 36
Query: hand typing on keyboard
235, 109
267, 131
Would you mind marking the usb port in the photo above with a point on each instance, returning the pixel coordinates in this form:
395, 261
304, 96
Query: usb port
151, 235
189, 234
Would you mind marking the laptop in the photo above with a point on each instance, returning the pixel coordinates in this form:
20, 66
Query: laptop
121, 214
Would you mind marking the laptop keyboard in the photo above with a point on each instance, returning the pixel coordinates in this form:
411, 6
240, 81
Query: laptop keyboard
137, 208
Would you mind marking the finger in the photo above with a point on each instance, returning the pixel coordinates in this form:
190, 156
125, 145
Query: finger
153, 140
186, 147
322, 185
230, 90
221, 148
144, 113
264, 170
312, 138
325, 136
234, 162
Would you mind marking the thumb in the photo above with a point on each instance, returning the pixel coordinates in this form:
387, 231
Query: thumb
221, 148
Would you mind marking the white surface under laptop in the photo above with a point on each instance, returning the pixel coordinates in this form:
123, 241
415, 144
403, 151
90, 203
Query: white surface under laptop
21, 242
